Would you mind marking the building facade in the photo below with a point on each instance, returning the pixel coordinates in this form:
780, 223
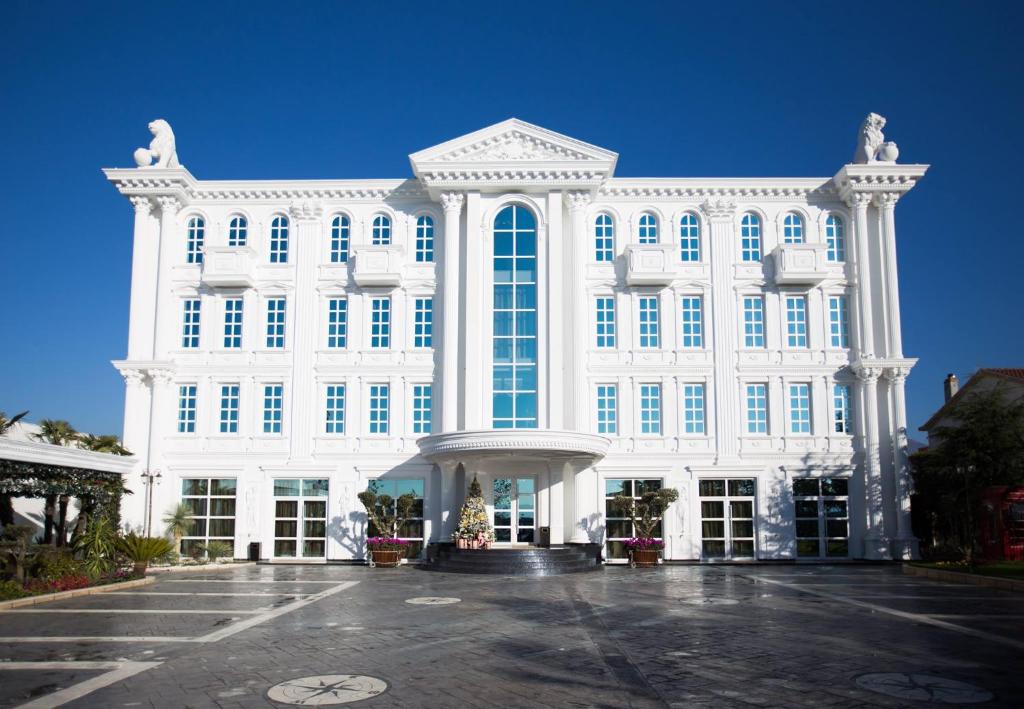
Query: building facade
517, 313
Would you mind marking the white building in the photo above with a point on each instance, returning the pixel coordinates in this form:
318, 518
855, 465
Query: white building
515, 311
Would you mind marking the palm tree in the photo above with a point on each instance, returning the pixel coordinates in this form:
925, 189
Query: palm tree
57, 432
103, 444
178, 521
6, 424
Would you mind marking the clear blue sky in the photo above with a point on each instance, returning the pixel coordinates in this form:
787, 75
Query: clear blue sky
348, 90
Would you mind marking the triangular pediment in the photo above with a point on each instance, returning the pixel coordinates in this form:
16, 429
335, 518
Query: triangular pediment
514, 147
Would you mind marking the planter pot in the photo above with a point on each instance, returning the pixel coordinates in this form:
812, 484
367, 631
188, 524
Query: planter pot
644, 558
388, 559
461, 543
140, 567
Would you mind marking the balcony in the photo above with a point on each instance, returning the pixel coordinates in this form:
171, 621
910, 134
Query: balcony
651, 264
228, 266
377, 265
800, 264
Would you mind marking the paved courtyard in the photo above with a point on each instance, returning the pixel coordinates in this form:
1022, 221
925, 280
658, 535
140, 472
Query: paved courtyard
680, 636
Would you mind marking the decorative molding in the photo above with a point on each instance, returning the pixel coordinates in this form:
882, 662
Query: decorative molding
718, 209
306, 210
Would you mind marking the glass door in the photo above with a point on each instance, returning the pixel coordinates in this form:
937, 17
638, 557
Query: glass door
727, 518
300, 518
514, 510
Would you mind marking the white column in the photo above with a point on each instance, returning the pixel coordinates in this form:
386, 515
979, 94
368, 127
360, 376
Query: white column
886, 202
475, 410
452, 203
859, 201
576, 352
138, 398
876, 546
721, 216
551, 318
165, 333
906, 544
162, 413
557, 472
142, 307
583, 487
305, 250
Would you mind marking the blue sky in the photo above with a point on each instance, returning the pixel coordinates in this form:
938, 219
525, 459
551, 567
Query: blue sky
348, 90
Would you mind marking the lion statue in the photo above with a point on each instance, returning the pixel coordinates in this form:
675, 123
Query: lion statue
161, 148
871, 145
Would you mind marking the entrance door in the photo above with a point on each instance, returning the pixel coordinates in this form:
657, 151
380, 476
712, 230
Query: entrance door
300, 518
515, 510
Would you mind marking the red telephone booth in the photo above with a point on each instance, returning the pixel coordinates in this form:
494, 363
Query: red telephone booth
1002, 524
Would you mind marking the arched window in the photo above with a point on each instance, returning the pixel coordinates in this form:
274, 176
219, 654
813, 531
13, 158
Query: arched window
648, 228
194, 240
238, 231
424, 239
514, 402
604, 238
689, 237
836, 238
381, 235
339, 239
750, 237
793, 229
279, 240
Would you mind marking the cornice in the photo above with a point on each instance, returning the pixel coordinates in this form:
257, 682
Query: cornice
876, 178
698, 189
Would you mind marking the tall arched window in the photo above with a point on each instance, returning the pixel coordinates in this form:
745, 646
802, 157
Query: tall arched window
648, 228
750, 237
238, 231
515, 319
793, 229
381, 231
194, 240
339, 239
279, 240
689, 237
604, 238
836, 238
424, 239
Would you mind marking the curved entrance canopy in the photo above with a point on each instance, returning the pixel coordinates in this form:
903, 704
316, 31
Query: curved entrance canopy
505, 444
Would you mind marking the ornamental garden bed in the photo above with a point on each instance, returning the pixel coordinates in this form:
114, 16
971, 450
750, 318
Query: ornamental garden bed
57, 590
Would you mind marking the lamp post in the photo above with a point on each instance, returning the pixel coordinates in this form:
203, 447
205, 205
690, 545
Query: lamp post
150, 478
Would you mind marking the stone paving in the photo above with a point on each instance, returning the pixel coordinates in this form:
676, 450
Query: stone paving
676, 636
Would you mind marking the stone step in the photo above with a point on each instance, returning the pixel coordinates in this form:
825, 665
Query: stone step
544, 569
530, 561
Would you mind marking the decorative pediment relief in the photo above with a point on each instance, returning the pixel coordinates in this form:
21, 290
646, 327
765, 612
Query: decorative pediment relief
513, 146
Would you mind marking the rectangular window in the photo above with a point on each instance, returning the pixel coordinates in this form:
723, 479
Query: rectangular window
412, 530
187, 408
757, 408
619, 527
649, 331
380, 323
693, 408
604, 239
300, 517
423, 330
424, 240
693, 328
605, 310
650, 409
727, 518
822, 517
275, 323
337, 323
339, 239
753, 321
379, 395
422, 406
211, 506
838, 321
607, 409
796, 321
229, 408
233, 323
799, 408
273, 407
335, 408
841, 408
190, 323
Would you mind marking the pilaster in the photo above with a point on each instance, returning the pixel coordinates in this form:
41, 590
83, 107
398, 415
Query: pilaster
165, 330
886, 203
476, 411
576, 360
905, 545
452, 203
876, 545
142, 307
304, 252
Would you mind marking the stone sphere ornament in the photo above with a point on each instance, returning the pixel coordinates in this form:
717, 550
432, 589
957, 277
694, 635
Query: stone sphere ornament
888, 152
142, 157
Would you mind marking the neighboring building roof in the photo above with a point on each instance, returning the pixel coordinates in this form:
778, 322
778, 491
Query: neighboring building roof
1013, 374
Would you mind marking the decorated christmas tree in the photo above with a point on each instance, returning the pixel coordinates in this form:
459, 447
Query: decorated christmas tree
474, 528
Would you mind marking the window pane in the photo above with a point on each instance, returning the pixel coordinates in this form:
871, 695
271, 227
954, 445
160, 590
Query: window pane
286, 488
222, 487
805, 487
191, 486
712, 488
835, 486
222, 508
741, 488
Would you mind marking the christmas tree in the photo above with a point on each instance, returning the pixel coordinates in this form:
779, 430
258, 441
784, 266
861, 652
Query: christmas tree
473, 521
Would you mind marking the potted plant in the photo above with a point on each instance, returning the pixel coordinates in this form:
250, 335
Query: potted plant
474, 528
645, 513
386, 551
142, 550
386, 516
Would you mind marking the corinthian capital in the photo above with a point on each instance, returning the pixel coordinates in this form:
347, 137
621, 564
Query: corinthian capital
577, 201
452, 201
169, 206
887, 200
307, 210
142, 205
718, 209
162, 377
859, 199
134, 377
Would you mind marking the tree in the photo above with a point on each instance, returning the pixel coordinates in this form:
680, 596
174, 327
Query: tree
645, 512
177, 521
6, 503
385, 513
981, 446
473, 520
103, 444
6, 424
57, 432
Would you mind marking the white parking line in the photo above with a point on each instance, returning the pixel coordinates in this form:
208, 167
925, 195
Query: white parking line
214, 636
243, 581
202, 593
117, 672
176, 611
916, 617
